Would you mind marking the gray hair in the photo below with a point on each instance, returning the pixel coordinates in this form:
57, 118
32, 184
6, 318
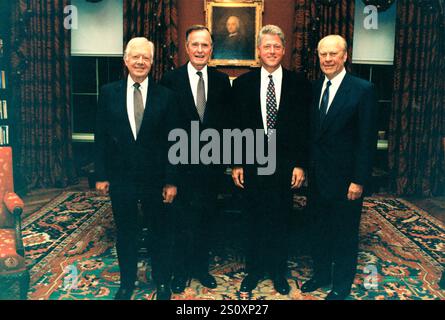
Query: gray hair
197, 27
138, 41
271, 29
339, 39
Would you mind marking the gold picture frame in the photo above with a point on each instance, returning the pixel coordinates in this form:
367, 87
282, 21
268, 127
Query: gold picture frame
234, 26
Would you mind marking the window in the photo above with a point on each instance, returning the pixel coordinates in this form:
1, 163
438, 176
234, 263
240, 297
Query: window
88, 75
382, 77
374, 34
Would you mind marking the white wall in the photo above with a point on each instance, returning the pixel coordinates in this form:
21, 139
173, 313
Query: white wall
374, 46
100, 28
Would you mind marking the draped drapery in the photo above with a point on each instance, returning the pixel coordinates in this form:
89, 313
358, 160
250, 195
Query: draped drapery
417, 128
313, 20
157, 21
40, 64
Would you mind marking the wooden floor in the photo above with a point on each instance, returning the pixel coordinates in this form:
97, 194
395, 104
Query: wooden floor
36, 199
434, 206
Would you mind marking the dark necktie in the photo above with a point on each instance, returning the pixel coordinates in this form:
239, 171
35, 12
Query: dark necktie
200, 97
271, 106
324, 102
138, 107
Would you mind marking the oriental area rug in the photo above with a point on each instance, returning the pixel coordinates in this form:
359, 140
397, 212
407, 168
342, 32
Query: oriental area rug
70, 253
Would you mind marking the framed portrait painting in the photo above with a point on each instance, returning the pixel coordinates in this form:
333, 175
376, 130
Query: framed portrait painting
234, 26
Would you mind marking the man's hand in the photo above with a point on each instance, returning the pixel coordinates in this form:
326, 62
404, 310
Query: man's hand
297, 178
238, 177
355, 191
103, 187
169, 193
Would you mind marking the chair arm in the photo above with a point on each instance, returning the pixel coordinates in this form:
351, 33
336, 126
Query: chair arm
13, 203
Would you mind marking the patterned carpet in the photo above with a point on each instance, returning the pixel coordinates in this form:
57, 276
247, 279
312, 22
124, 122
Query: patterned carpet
70, 252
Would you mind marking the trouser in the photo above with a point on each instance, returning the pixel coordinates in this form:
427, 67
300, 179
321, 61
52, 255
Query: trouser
193, 230
268, 205
125, 200
335, 238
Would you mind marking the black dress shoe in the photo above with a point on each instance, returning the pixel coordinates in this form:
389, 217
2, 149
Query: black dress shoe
281, 285
313, 284
249, 283
178, 284
337, 295
163, 292
124, 293
207, 280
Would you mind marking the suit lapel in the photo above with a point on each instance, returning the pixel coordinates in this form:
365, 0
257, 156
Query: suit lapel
338, 103
212, 89
283, 95
121, 107
150, 104
256, 90
187, 93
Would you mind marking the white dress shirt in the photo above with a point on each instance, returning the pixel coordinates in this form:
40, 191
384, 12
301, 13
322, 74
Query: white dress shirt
130, 102
335, 84
277, 77
194, 78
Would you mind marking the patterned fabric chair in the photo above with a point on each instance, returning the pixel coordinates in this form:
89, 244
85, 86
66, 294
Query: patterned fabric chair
13, 270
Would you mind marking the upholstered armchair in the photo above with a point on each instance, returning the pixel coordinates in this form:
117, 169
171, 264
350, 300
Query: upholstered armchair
14, 276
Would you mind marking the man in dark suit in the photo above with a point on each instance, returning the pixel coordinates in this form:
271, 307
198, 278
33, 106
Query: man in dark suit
343, 140
134, 118
271, 98
203, 92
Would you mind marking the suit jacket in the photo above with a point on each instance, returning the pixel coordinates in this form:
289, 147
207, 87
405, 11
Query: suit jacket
119, 158
342, 147
292, 128
215, 116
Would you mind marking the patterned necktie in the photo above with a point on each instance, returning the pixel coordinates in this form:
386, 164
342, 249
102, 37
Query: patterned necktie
138, 107
200, 96
271, 106
324, 102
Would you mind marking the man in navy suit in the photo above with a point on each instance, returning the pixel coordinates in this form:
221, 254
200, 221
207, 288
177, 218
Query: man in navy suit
343, 140
203, 92
267, 99
134, 118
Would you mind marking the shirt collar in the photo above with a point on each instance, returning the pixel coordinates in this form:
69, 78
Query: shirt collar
192, 70
337, 79
131, 82
275, 75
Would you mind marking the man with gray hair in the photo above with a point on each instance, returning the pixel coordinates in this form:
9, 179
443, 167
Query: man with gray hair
276, 101
204, 94
343, 141
134, 118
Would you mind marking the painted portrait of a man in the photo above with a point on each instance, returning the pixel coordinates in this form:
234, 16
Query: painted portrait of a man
234, 33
